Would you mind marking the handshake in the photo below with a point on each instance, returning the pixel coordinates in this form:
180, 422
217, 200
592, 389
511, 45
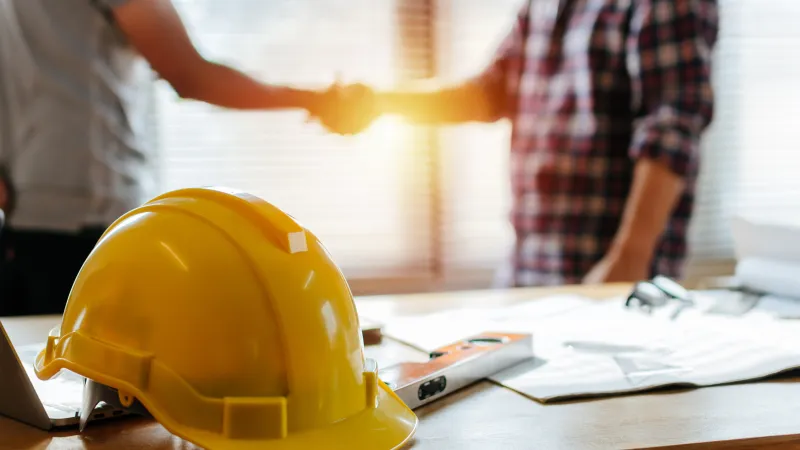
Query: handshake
345, 109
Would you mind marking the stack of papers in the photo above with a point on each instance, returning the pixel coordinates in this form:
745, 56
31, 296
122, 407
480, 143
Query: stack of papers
768, 256
584, 347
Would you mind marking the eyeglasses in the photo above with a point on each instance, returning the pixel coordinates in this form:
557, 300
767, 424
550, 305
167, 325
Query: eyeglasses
656, 293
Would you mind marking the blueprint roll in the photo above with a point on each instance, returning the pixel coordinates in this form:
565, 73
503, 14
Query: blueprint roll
771, 276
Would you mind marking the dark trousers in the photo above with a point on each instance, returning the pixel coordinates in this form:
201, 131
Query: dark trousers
39, 267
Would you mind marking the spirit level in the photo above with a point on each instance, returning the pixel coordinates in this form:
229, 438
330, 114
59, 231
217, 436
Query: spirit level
456, 366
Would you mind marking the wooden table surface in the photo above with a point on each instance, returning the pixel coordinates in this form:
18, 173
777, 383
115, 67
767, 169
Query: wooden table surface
487, 416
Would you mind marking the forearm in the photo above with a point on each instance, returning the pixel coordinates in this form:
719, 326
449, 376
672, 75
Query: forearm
226, 87
155, 29
459, 104
654, 192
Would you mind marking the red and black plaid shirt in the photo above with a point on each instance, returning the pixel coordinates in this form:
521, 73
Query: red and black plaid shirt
594, 85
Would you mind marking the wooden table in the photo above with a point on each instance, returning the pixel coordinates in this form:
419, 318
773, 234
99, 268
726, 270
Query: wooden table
487, 416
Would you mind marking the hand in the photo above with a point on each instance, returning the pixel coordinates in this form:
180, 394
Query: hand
618, 267
346, 110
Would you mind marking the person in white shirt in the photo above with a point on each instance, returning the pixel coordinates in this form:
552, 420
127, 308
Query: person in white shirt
74, 76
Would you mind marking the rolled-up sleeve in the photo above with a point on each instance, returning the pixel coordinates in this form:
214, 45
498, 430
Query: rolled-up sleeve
500, 78
669, 51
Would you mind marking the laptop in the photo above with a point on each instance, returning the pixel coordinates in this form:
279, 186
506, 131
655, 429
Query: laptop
55, 403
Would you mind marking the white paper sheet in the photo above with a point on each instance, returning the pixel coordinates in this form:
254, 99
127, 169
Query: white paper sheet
430, 331
587, 348
64, 391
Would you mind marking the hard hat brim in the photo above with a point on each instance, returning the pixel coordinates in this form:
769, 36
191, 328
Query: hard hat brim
388, 426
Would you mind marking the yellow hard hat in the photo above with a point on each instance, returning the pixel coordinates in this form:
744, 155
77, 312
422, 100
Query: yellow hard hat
231, 324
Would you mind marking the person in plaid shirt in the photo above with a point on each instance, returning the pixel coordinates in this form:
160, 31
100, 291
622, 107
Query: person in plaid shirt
608, 100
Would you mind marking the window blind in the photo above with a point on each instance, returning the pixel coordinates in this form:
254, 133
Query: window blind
750, 152
366, 197
475, 227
